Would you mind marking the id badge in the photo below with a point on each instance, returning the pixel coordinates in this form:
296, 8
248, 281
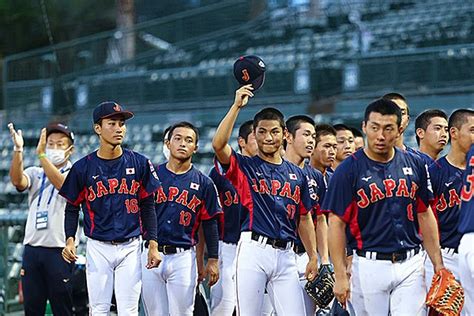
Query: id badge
41, 220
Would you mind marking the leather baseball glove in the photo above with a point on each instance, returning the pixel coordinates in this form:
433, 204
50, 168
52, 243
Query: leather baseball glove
446, 295
320, 289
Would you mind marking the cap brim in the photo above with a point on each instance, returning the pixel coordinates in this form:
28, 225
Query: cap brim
258, 82
123, 114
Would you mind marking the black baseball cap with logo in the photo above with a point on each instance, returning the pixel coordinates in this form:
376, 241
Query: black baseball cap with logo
250, 69
59, 128
110, 109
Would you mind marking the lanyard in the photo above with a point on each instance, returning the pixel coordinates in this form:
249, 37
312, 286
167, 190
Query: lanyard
43, 180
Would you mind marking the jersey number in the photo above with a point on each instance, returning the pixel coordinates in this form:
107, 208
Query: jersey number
410, 212
185, 218
131, 205
291, 210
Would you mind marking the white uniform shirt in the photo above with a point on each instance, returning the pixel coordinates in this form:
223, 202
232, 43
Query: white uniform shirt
43, 197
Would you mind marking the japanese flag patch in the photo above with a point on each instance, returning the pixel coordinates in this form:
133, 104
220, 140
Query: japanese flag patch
130, 171
194, 186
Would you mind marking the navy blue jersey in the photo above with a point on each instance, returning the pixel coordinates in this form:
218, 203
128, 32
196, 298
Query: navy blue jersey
425, 157
274, 196
182, 202
230, 202
447, 183
380, 201
466, 218
109, 191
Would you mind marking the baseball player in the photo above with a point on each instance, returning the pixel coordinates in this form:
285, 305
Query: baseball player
223, 292
44, 275
187, 199
299, 143
466, 229
432, 132
115, 188
359, 141
324, 152
446, 179
345, 144
274, 192
381, 195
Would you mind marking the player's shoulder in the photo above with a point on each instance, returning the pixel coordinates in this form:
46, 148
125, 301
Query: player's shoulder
84, 161
131, 154
312, 172
201, 176
439, 164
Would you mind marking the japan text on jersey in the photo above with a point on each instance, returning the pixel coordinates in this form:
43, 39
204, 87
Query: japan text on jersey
110, 191
466, 218
380, 201
182, 202
447, 183
274, 196
231, 207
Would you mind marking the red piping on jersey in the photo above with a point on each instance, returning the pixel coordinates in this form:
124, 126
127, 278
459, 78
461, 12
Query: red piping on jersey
420, 205
195, 228
241, 184
82, 195
221, 219
351, 216
91, 216
142, 193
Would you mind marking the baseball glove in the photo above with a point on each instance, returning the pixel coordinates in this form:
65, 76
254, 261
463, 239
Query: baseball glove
446, 295
320, 289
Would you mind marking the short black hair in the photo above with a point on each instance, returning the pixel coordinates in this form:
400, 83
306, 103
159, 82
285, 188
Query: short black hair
341, 127
186, 125
269, 114
459, 118
424, 119
245, 130
294, 123
396, 96
356, 132
384, 107
324, 130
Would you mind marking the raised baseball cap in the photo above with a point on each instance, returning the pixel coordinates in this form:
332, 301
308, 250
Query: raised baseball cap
250, 69
110, 109
59, 128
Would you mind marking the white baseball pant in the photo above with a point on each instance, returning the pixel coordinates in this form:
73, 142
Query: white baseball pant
170, 288
259, 265
301, 261
466, 272
380, 287
113, 267
450, 260
223, 292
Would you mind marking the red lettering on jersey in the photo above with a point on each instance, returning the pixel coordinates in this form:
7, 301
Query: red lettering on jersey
466, 194
160, 196
375, 193
134, 188
291, 210
254, 185
402, 189
264, 187
389, 184
236, 198
414, 188
442, 205
296, 196
471, 161
183, 198
364, 200
132, 206
172, 193
453, 198
228, 198
113, 184
286, 190
275, 186
410, 212
194, 203
91, 196
101, 189
123, 187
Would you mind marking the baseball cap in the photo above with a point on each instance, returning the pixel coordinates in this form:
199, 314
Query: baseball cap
250, 69
110, 109
59, 128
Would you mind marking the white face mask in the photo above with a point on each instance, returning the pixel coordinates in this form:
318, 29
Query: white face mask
166, 151
56, 156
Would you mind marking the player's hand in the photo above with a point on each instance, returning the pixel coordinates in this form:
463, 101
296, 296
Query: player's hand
201, 272
349, 266
41, 148
154, 258
69, 252
311, 269
212, 271
17, 137
341, 288
242, 95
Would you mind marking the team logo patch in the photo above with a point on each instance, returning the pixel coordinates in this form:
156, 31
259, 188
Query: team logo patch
194, 186
129, 170
407, 171
366, 179
245, 75
293, 176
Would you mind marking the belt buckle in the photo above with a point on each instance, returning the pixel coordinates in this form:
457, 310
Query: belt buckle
394, 257
164, 250
274, 244
114, 242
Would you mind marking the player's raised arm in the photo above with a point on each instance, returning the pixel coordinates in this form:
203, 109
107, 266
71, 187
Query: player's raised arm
17, 177
220, 142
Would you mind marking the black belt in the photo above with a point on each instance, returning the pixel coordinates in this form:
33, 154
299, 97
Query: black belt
120, 241
299, 249
169, 249
393, 256
275, 243
454, 250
